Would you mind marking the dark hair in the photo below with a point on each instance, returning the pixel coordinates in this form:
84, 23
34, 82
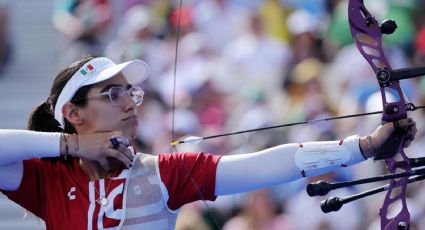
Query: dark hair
42, 117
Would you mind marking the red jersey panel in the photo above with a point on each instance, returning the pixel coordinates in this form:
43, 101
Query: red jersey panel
65, 198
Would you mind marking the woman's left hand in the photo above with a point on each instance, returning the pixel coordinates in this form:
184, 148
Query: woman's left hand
383, 132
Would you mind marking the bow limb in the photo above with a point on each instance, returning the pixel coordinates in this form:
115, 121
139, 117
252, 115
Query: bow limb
367, 36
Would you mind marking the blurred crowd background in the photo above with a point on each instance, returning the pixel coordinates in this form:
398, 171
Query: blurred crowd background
239, 65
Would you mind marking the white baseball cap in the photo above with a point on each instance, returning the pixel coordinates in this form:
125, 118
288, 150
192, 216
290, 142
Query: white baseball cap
95, 71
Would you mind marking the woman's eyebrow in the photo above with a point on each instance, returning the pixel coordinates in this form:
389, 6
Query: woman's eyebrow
106, 88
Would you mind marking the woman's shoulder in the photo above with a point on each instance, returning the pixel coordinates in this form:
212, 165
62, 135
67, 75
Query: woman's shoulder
56, 165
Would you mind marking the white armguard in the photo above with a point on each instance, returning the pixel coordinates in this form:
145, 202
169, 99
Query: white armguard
315, 158
18, 145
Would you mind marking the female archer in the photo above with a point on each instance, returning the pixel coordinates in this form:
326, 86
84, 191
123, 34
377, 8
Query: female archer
77, 169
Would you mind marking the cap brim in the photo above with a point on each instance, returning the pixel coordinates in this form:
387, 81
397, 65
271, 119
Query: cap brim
134, 71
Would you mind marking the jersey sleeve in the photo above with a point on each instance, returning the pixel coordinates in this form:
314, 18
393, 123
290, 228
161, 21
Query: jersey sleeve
188, 177
29, 193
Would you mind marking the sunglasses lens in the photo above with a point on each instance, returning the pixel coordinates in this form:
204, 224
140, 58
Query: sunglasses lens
136, 93
116, 94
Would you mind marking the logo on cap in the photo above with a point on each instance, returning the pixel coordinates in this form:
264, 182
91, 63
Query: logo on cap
88, 70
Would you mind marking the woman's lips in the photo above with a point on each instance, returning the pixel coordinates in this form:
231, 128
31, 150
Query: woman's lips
131, 119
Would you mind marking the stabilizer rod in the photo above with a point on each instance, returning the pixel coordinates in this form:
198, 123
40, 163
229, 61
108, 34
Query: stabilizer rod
321, 188
335, 203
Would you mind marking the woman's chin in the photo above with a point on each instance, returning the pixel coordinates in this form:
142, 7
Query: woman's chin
130, 131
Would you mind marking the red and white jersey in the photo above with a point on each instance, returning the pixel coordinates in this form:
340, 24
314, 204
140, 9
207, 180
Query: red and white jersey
64, 197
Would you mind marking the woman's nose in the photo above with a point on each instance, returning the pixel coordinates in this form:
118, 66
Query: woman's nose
129, 103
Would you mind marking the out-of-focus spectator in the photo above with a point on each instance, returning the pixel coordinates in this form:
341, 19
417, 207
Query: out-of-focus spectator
219, 20
317, 8
260, 212
338, 32
132, 35
5, 46
306, 99
138, 37
274, 16
84, 24
190, 218
130, 3
305, 30
256, 60
420, 46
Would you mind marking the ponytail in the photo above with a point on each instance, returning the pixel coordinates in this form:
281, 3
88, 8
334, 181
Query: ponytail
43, 120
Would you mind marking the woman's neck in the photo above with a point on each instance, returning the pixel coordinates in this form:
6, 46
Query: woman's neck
95, 171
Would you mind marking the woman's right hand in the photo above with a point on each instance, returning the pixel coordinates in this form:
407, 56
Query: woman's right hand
98, 147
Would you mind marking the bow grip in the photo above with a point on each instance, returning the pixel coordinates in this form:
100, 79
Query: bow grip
390, 147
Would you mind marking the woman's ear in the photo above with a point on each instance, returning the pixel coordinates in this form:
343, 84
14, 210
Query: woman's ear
71, 113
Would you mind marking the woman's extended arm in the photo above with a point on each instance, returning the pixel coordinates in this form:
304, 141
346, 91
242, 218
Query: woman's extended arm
284, 163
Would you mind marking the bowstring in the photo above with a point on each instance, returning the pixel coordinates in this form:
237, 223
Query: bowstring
173, 133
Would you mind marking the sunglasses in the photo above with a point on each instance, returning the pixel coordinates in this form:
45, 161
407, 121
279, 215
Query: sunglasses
117, 95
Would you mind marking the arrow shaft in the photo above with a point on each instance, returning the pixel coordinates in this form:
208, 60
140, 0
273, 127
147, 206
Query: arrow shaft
292, 124
410, 108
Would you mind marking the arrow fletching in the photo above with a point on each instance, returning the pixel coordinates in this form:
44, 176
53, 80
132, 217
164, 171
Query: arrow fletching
188, 140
